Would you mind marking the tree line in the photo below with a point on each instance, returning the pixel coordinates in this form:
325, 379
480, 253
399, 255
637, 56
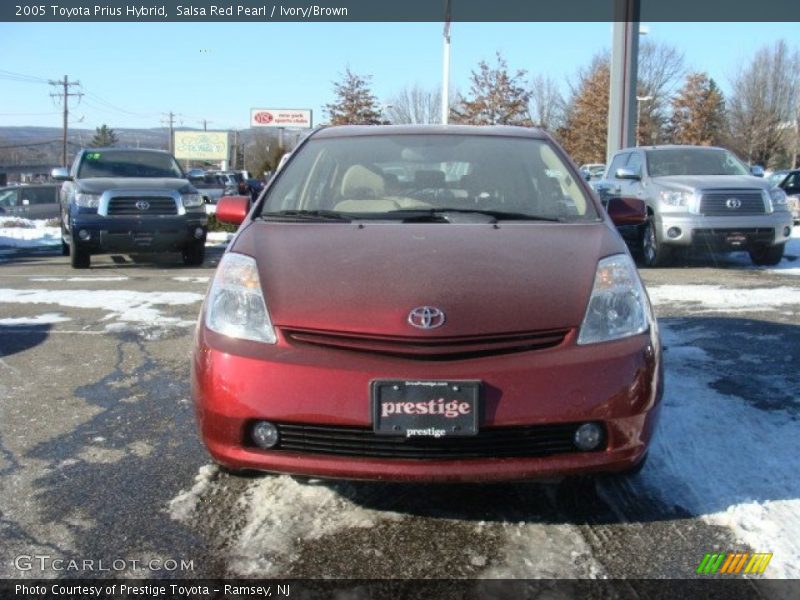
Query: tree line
758, 121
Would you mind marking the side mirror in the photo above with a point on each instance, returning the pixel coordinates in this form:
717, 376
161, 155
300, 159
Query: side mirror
60, 174
756, 170
624, 173
626, 211
233, 209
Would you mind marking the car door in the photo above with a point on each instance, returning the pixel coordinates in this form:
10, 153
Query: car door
43, 202
633, 188
611, 185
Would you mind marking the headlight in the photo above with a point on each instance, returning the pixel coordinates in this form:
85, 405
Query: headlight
235, 306
778, 199
87, 200
675, 198
618, 306
191, 200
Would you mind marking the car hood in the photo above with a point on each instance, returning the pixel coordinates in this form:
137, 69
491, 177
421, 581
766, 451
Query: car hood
340, 277
700, 182
101, 184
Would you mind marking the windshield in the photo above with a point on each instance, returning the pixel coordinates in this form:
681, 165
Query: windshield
121, 163
396, 174
693, 161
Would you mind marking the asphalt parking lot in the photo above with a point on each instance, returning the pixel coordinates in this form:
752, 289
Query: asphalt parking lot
99, 458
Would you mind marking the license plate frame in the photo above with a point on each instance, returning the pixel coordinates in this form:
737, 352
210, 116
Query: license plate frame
426, 408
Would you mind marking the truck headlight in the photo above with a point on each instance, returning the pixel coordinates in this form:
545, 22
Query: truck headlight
191, 200
675, 198
618, 306
235, 306
85, 200
778, 200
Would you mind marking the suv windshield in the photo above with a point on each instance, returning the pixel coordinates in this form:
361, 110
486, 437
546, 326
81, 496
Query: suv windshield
120, 163
693, 161
397, 175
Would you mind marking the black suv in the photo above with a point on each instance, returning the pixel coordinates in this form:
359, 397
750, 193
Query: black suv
135, 201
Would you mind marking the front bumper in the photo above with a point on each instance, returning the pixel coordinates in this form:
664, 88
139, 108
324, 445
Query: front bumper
724, 232
133, 235
618, 384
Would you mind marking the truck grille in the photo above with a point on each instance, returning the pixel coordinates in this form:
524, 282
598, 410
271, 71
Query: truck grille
501, 442
127, 206
732, 203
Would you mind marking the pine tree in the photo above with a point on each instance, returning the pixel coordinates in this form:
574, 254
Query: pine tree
103, 137
496, 97
698, 112
586, 129
355, 103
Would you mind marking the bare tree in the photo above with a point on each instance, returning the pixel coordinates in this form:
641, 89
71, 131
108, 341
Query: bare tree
414, 105
546, 104
661, 70
764, 105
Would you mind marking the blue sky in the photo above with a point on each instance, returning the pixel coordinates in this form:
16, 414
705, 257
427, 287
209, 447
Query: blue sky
218, 71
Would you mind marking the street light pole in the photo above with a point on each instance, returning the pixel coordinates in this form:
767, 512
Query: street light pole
639, 100
446, 66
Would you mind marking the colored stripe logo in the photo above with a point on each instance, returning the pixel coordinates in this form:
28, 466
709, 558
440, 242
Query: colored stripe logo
734, 563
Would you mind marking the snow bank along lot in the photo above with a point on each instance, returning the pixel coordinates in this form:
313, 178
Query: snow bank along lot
724, 462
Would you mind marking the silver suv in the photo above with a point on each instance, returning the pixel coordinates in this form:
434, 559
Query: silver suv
699, 196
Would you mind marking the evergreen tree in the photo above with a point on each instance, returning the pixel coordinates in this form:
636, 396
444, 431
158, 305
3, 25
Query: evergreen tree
698, 112
103, 137
355, 104
586, 129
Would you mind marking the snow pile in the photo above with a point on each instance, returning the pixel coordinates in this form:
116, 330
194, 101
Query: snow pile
121, 305
182, 507
28, 234
723, 459
715, 298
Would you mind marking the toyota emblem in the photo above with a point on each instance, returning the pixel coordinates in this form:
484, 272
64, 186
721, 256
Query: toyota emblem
426, 317
142, 204
733, 203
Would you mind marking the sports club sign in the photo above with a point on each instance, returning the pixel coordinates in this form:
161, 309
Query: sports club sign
281, 117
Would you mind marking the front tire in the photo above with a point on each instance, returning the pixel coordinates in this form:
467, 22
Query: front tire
654, 253
64, 244
766, 256
194, 253
79, 258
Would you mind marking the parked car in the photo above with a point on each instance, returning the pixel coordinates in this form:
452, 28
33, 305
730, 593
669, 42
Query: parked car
593, 171
775, 177
699, 196
30, 201
211, 187
790, 184
428, 331
138, 201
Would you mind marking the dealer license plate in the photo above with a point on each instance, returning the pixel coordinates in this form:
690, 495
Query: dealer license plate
425, 408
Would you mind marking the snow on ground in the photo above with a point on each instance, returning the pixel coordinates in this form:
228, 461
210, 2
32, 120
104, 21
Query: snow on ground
725, 460
715, 298
78, 279
182, 506
123, 306
31, 234
45, 319
192, 279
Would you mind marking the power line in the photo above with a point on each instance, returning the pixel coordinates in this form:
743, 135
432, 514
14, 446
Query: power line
65, 95
21, 77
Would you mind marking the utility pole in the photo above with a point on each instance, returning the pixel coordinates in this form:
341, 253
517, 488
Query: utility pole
169, 121
205, 123
66, 84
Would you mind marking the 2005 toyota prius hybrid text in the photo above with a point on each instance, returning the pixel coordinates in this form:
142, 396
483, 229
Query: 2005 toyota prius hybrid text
432, 304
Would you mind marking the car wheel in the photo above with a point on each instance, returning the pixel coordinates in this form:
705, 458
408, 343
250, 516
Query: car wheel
654, 253
64, 244
766, 256
194, 253
79, 258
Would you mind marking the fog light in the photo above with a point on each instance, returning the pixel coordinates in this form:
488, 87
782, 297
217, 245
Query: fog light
198, 233
84, 235
787, 231
588, 436
674, 232
265, 434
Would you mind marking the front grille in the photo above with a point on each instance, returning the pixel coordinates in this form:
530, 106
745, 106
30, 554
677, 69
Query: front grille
715, 203
762, 235
500, 442
432, 349
126, 206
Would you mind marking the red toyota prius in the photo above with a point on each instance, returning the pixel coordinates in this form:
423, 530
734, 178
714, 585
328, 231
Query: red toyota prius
427, 303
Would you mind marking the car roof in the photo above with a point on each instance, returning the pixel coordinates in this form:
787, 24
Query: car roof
118, 149
669, 147
339, 131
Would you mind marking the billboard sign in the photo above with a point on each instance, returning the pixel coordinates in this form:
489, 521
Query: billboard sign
201, 145
281, 117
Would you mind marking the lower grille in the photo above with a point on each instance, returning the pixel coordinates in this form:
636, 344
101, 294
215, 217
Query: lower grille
732, 203
760, 235
501, 442
127, 206
444, 348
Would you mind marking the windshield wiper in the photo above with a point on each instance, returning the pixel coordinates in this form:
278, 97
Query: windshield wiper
422, 214
311, 215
